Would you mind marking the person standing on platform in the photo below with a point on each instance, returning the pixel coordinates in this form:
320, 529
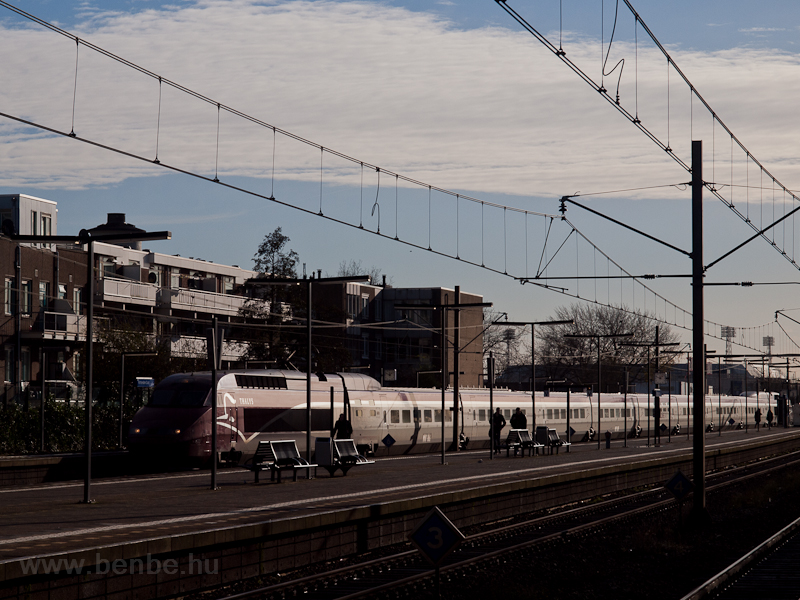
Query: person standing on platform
757, 417
770, 416
519, 420
343, 430
498, 422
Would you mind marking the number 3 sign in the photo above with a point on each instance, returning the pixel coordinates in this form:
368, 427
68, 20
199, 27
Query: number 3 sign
436, 537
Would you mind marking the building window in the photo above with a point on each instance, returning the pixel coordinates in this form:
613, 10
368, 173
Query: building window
47, 225
62, 291
227, 284
26, 290
174, 279
44, 293
9, 299
9, 366
34, 222
76, 299
364, 306
25, 365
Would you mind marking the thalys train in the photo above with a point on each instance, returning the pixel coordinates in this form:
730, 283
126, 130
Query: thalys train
271, 405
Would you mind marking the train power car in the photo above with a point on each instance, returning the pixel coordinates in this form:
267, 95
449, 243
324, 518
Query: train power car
271, 405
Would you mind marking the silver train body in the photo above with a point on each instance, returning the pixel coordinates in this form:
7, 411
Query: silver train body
272, 405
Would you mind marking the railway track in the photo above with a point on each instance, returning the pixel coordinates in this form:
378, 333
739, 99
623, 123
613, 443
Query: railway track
406, 574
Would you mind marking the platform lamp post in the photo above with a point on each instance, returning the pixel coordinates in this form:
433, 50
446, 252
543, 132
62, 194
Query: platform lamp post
657, 345
533, 325
308, 281
89, 237
443, 347
686, 348
598, 337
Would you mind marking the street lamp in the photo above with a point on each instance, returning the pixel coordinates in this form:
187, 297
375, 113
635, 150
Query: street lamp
308, 282
443, 348
597, 336
657, 345
533, 325
89, 237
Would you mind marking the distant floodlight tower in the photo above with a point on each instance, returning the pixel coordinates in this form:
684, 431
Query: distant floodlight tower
769, 342
728, 333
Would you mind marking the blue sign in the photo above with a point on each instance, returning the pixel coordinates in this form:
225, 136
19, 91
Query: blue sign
145, 382
679, 486
436, 537
388, 441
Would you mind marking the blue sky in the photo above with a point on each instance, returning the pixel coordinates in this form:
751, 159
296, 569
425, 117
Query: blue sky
452, 94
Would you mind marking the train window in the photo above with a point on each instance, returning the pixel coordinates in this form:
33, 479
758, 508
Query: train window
359, 412
507, 413
428, 416
395, 416
583, 413
482, 414
417, 414
564, 413
373, 413
605, 413
406, 416
549, 413
260, 381
181, 395
437, 415
448, 416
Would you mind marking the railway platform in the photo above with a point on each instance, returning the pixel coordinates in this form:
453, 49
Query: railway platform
53, 545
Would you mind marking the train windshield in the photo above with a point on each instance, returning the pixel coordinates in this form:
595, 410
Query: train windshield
180, 394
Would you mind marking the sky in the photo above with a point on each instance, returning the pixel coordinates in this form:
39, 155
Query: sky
454, 95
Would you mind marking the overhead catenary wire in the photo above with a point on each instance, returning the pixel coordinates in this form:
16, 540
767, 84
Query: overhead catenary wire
221, 107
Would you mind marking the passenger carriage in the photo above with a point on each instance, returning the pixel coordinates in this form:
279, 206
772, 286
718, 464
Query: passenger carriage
271, 405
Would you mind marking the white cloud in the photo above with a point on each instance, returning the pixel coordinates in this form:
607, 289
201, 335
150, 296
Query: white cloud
762, 29
485, 110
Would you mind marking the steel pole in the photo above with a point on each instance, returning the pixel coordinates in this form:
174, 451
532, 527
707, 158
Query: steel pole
719, 394
490, 369
121, 398
456, 347
444, 373
214, 362
308, 378
533, 381
43, 366
87, 482
599, 412
699, 509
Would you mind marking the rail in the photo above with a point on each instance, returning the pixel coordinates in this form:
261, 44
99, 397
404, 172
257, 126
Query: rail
406, 569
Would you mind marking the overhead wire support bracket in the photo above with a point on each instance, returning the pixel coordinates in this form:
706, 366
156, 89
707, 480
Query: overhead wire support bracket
752, 237
621, 224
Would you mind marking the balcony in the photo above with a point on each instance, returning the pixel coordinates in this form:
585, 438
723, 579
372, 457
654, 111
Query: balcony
200, 301
58, 326
127, 291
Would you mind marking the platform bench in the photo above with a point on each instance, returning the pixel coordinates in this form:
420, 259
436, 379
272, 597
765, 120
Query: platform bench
287, 457
262, 460
513, 441
554, 441
527, 442
346, 456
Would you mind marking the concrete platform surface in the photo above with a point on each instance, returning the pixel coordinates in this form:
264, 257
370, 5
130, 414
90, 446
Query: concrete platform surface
51, 518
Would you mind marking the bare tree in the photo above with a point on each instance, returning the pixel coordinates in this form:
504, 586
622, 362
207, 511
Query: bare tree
354, 268
575, 359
